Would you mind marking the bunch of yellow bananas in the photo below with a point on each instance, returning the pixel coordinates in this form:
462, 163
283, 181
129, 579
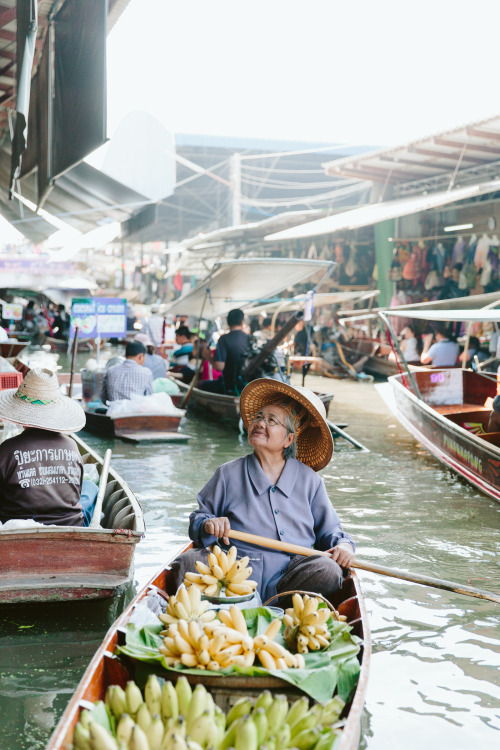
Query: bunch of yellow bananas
178, 718
186, 643
245, 648
222, 572
306, 626
187, 605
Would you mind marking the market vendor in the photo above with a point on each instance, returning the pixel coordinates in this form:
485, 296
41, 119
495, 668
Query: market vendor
130, 378
276, 492
41, 470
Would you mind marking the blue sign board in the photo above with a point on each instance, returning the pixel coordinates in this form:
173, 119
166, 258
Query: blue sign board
98, 316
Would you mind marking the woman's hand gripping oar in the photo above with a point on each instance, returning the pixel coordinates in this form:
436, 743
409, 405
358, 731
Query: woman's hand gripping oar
436, 583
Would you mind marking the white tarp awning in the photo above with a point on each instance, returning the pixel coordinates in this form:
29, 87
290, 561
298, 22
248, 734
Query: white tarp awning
374, 213
474, 302
298, 302
462, 316
237, 283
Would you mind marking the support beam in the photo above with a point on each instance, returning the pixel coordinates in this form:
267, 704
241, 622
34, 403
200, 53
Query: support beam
448, 157
488, 134
440, 141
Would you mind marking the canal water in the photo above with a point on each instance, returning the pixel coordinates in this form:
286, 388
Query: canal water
435, 670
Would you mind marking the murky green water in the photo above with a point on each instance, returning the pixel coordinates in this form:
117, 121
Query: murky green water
435, 672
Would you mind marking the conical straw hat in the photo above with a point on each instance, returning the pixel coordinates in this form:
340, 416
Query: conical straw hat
314, 440
38, 402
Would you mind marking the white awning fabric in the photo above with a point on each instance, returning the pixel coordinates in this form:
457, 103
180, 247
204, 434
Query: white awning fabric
321, 299
377, 212
474, 302
463, 316
237, 283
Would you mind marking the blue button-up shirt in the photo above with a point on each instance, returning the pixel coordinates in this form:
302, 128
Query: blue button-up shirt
125, 381
296, 510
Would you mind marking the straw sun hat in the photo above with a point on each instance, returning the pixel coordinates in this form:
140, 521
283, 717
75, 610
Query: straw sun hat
314, 439
38, 402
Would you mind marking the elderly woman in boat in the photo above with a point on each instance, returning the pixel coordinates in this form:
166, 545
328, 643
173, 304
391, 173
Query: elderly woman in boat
276, 492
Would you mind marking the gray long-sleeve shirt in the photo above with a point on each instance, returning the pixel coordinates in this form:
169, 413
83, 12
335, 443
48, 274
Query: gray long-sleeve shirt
296, 510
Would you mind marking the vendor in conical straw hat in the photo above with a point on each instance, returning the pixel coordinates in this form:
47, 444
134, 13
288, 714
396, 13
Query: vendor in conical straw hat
41, 471
275, 492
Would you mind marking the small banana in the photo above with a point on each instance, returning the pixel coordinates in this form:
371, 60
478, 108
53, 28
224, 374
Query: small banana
133, 697
100, 738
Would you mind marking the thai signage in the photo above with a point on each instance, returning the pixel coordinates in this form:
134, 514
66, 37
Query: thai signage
11, 311
98, 316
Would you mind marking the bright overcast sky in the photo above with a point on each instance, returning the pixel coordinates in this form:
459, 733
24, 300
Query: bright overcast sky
357, 71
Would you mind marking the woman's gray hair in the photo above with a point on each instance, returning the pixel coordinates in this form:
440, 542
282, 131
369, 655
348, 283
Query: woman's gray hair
291, 450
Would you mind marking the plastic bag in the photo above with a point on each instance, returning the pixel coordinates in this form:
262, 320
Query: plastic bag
158, 403
90, 472
165, 385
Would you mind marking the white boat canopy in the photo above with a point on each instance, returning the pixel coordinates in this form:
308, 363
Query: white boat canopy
474, 302
481, 316
320, 299
237, 283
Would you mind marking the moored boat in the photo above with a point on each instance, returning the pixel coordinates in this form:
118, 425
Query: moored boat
62, 345
224, 406
449, 416
375, 356
11, 348
106, 668
136, 428
59, 563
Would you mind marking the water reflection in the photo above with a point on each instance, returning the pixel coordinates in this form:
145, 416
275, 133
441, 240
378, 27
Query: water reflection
434, 676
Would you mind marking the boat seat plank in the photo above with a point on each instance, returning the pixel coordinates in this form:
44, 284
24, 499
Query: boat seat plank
459, 408
148, 436
491, 437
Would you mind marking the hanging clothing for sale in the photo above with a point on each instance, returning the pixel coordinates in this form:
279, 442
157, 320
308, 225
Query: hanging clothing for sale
482, 249
458, 252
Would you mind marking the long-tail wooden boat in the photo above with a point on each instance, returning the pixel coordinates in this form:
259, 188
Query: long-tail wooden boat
105, 668
226, 407
11, 348
61, 345
137, 428
449, 417
58, 563
375, 356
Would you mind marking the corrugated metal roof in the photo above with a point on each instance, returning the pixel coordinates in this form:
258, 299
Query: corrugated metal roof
472, 149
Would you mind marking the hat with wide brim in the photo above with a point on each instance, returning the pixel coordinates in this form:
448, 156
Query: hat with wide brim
38, 402
314, 441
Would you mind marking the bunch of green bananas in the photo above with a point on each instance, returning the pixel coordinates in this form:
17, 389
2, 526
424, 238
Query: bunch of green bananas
176, 717
272, 724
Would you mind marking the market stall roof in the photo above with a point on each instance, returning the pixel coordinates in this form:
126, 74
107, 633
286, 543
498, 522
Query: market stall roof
81, 200
236, 283
8, 52
374, 213
36, 283
474, 302
83, 197
321, 299
249, 230
470, 149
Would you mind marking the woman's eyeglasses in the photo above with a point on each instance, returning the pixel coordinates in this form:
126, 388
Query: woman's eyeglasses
270, 421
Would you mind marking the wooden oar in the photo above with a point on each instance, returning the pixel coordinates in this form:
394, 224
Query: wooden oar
103, 480
191, 385
335, 428
73, 359
436, 583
